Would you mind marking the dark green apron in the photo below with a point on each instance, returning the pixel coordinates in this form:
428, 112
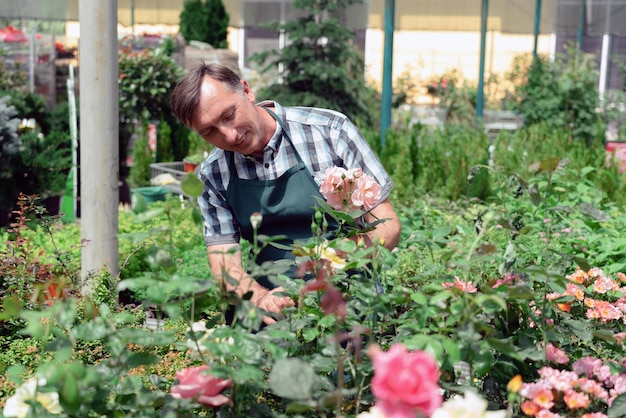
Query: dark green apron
286, 203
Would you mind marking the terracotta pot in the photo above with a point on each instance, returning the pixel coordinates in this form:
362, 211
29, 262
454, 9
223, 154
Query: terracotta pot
189, 167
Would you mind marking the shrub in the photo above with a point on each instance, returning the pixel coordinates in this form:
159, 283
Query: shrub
322, 67
9, 153
563, 94
205, 21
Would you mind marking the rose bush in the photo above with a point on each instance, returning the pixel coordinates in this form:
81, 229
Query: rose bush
489, 291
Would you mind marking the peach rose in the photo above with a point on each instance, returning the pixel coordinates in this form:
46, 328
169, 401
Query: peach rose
336, 187
367, 192
405, 383
196, 383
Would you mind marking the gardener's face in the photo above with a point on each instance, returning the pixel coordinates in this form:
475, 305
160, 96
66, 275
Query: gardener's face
229, 119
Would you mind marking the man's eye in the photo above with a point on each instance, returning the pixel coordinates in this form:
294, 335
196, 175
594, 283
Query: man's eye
229, 116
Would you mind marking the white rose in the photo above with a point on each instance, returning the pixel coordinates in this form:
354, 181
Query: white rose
16, 405
469, 406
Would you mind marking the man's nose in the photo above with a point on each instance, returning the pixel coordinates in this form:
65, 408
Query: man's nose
229, 133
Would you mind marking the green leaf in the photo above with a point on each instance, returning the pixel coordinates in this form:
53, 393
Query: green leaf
549, 164
580, 329
440, 297
592, 211
618, 407
505, 346
491, 303
483, 361
191, 185
11, 308
310, 334
441, 232
453, 351
523, 292
292, 378
419, 298
605, 335
149, 215
69, 396
141, 359
138, 203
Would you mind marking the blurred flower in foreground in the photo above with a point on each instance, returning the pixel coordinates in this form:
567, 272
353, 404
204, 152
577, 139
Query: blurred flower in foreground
195, 383
17, 406
202, 335
405, 383
469, 406
374, 412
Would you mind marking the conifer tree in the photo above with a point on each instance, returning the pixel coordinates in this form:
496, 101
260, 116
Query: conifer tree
322, 66
205, 21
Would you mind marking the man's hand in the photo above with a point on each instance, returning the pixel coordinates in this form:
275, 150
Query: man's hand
271, 302
225, 261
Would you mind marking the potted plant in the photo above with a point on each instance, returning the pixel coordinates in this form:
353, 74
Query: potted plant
199, 150
192, 161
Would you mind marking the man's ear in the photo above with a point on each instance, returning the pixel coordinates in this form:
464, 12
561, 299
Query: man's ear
248, 91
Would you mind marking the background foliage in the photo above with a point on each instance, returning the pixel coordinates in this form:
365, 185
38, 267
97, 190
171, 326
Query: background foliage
205, 21
321, 65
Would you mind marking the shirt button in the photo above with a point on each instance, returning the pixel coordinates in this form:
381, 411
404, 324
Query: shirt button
267, 165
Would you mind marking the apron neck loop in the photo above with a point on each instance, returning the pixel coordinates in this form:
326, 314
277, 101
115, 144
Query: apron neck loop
230, 156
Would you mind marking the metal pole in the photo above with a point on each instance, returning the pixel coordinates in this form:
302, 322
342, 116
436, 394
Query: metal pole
537, 25
581, 26
480, 96
132, 16
99, 149
71, 100
31, 61
390, 14
604, 55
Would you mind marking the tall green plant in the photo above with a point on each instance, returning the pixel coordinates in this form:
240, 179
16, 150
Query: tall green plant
9, 151
45, 163
30, 106
321, 65
205, 21
146, 80
563, 93
139, 175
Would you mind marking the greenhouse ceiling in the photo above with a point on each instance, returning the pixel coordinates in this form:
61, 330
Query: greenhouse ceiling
509, 16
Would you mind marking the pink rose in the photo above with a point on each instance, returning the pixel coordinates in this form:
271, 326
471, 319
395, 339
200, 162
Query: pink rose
367, 192
335, 187
196, 383
556, 355
405, 382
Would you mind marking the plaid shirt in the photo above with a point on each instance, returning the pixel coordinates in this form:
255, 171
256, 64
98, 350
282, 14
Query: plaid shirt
323, 138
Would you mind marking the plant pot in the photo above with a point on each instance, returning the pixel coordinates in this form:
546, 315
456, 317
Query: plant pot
52, 204
616, 152
189, 167
152, 193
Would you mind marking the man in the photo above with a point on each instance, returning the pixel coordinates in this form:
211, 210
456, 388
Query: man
267, 159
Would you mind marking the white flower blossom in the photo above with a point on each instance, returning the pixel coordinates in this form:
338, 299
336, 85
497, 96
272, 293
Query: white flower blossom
197, 346
374, 412
16, 405
469, 406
